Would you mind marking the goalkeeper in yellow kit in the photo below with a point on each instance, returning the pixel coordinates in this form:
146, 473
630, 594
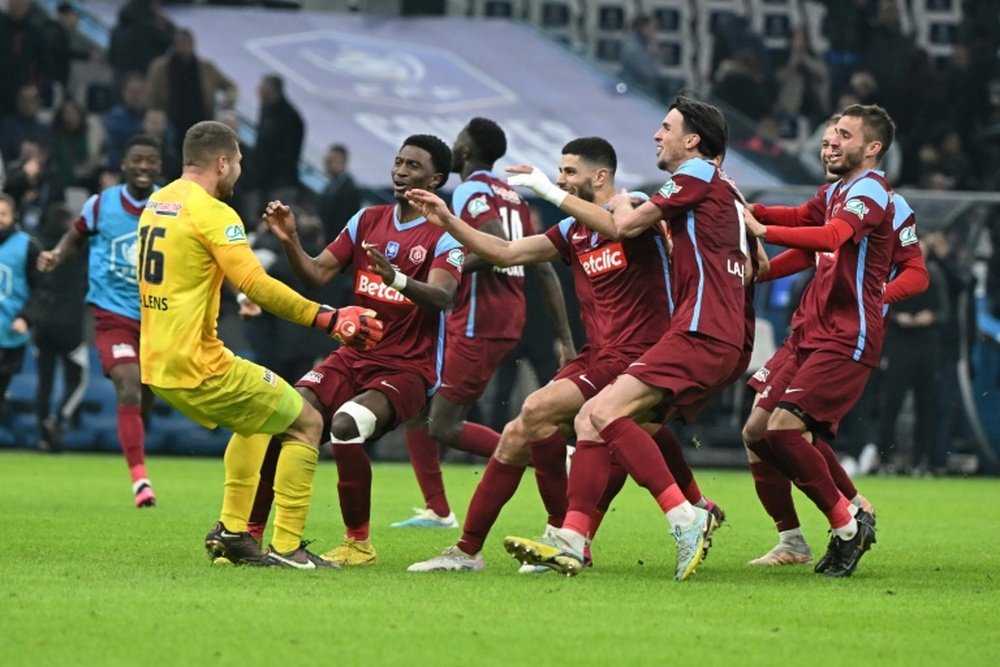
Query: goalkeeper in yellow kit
189, 241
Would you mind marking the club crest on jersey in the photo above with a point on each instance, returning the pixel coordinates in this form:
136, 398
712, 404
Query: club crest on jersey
603, 260
477, 206
762, 374
669, 188
857, 207
166, 208
456, 258
235, 233
391, 249
908, 235
418, 254
312, 376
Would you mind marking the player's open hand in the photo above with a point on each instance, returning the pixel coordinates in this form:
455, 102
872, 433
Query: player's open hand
19, 325
281, 221
351, 325
430, 206
379, 263
753, 226
47, 260
523, 175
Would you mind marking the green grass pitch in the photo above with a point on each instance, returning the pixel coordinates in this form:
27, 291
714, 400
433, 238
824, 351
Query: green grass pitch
86, 579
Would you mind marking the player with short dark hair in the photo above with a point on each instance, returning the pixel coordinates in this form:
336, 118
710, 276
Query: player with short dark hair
409, 270
842, 328
109, 221
692, 361
483, 327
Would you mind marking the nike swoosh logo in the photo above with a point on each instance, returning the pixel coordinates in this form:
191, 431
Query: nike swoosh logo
792, 391
226, 533
636, 363
583, 377
580, 237
391, 387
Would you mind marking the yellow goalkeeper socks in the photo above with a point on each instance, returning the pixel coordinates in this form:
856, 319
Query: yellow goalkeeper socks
242, 461
293, 482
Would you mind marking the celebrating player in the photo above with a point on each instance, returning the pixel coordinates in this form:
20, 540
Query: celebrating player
478, 337
109, 221
190, 240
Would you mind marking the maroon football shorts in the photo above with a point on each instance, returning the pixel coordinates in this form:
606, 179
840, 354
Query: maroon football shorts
116, 338
335, 382
690, 368
469, 363
595, 368
762, 377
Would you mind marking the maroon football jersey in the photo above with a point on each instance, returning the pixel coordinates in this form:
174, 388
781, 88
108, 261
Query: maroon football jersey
490, 304
622, 286
705, 220
849, 282
413, 336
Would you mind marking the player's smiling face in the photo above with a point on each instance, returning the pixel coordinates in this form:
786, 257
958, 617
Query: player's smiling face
848, 146
575, 177
412, 168
671, 142
826, 153
141, 166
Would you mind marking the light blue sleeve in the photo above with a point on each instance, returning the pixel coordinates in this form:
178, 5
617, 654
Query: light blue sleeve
87, 213
870, 188
446, 243
564, 226
352, 226
903, 210
698, 168
464, 192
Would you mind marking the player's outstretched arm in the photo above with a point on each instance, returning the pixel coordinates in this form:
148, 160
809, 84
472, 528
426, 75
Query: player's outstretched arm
493, 249
553, 295
436, 294
593, 216
313, 271
48, 260
787, 263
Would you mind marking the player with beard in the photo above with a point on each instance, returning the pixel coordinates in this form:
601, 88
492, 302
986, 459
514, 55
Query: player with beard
483, 327
108, 222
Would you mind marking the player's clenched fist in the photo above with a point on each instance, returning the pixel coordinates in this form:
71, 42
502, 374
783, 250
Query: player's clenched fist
47, 260
351, 325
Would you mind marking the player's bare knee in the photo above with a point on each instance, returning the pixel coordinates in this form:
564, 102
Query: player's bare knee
343, 427
534, 412
754, 431
307, 427
445, 431
783, 420
584, 426
513, 453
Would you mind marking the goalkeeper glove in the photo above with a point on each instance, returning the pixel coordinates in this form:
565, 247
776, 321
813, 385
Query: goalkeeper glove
351, 325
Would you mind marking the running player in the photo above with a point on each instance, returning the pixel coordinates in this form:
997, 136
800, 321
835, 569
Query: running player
478, 337
109, 221
189, 241
408, 269
695, 357
841, 335
908, 277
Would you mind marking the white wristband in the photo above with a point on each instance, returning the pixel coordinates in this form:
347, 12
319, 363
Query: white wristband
398, 281
554, 194
242, 298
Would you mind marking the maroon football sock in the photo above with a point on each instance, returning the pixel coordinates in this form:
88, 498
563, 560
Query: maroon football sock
497, 486
426, 462
549, 458
635, 450
478, 439
616, 480
811, 473
354, 486
840, 476
775, 493
132, 436
670, 447
588, 478
264, 497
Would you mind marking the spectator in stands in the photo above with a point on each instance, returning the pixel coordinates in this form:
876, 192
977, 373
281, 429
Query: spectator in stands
33, 183
341, 198
185, 86
274, 173
142, 34
803, 83
57, 316
847, 27
913, 362
75, 148
123, 121
954, 162
888, 55
640, 57
23, 59
155, 124
24, 123
742, 83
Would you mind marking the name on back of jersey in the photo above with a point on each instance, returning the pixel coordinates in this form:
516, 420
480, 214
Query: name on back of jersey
169, 209
154, 302
372, 286
603, 260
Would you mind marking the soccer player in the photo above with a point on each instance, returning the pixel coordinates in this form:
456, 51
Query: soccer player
909, 277
840, 337
408, 269
694, 358
109, 221
18, 257
484, 325
189, 241
622, 288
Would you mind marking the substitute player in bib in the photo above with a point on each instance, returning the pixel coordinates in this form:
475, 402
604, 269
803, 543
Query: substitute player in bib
18, 259
478, 337
189, 241
692, 361
908, 277
841, 335
409, 270
108, 222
